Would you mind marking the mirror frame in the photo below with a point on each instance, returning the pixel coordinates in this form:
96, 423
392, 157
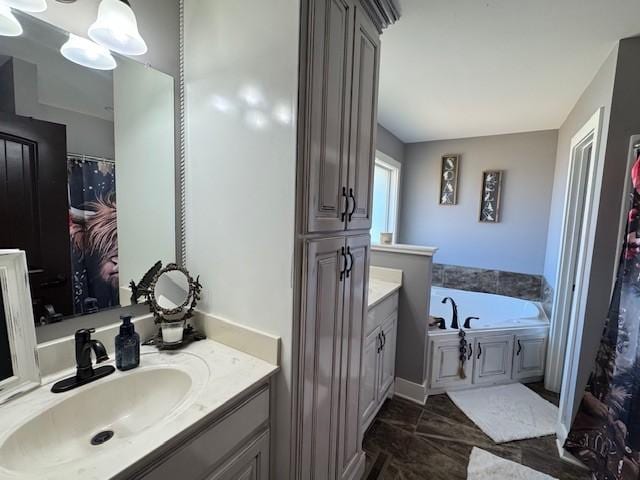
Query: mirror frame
21, 330
189, 304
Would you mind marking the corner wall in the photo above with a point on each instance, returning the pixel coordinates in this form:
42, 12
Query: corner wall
241, 74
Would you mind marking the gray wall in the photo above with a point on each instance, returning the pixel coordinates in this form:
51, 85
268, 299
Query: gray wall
389, 144
413, 311
517, 243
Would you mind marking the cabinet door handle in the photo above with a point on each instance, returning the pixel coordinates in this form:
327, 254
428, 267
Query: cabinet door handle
346, 204
344, 264
519, 348
470, 352
351, 261
379, 343
353, 203
479, 350
384, 339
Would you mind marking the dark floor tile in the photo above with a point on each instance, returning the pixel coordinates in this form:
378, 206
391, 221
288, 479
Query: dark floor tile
541, 454
416, 457
538, 387
400, 413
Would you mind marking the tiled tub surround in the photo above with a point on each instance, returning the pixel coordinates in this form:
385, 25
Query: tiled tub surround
510, 284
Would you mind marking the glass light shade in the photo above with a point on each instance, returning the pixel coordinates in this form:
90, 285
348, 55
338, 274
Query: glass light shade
116, 28
28, 5
87, 53
9, 25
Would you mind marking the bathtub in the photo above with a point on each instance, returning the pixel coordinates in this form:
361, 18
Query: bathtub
507, 344
495, 311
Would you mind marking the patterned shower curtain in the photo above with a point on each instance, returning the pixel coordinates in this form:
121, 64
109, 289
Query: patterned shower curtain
93, 233
605, 435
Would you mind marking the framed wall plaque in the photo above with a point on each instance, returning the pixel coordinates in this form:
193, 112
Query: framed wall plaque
449, 179
490, 199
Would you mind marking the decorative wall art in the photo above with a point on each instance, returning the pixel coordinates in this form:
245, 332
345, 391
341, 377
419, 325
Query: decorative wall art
449, 180
490, 200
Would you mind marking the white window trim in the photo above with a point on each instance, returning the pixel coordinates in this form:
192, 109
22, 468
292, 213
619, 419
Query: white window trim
386, 161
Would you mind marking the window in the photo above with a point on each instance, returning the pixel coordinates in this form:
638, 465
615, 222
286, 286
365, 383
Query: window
386, 188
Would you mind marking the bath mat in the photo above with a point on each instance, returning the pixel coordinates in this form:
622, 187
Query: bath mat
485, 466
508, 412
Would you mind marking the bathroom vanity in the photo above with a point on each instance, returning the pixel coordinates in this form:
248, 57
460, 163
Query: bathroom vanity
198, 413
379, 348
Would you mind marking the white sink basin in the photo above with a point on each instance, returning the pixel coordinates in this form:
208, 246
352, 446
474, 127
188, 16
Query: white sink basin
124, 404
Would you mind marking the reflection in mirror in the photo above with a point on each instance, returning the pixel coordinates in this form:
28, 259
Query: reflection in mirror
86, 171
172, 290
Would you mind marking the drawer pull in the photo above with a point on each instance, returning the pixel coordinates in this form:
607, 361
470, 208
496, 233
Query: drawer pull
519, 348
479, 350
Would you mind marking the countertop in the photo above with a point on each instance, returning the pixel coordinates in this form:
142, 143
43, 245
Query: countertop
379, 290
231, 375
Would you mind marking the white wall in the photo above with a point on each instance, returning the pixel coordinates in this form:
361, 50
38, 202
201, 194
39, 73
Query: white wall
241, 68
144, 147
517, 243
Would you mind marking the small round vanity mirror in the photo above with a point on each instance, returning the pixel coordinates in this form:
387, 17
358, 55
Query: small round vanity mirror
172, 290
173, 294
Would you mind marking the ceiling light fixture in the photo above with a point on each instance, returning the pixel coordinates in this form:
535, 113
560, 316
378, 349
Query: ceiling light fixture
116, 28
9, 25
28, 5
87, 53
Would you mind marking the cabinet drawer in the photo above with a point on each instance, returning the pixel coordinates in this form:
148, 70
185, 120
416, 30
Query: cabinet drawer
380, 313
198, 456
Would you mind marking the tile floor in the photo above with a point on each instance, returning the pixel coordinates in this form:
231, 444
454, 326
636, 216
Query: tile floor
410, 442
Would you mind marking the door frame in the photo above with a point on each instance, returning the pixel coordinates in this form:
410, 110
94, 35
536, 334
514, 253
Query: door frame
572, 271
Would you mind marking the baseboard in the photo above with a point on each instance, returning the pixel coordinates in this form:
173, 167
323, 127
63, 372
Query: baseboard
567, 457
414, 392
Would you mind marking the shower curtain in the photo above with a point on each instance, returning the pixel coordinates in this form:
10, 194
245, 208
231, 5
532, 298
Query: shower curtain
93, 233
605, 434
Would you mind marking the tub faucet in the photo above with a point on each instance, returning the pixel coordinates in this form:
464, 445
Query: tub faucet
454, 320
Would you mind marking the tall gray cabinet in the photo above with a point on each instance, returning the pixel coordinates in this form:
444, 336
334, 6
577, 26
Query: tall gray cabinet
339, 64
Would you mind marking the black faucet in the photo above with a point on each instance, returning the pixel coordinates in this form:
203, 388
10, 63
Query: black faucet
85, 373
467, 322
454, 320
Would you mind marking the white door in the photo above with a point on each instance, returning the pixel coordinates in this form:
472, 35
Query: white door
369, 378
529, 356
388, 354
445, 364
493, 359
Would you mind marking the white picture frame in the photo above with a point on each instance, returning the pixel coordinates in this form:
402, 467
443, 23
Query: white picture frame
21, 330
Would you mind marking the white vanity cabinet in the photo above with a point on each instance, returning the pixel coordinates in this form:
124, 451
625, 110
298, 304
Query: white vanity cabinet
493, 357
233, 446
378, 358
529, 356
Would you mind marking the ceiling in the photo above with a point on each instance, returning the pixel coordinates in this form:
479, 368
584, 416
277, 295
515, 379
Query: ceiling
466, 68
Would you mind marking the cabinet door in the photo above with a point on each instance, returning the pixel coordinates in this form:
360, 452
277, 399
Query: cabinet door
355, 309
366, 56
328, 90
493, 359
388, 354
445, 365
529, 356
370, 376
251, 463
322, 337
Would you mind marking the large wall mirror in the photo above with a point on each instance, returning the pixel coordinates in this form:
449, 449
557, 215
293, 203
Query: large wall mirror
87, 172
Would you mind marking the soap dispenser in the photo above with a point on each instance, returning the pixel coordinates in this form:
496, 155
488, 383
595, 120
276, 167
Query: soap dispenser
127, 345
